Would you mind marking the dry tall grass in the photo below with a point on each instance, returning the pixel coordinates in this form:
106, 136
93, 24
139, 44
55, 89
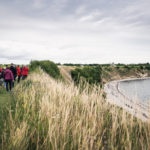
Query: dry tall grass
52, 115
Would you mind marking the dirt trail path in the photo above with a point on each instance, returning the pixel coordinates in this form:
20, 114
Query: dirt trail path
5, 97
65, 71
5, 100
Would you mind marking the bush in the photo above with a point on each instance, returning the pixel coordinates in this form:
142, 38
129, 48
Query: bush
147, 66
48, 66
90, 74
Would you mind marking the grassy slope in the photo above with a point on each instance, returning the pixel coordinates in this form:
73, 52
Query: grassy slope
53, 115
5, 99
65, 72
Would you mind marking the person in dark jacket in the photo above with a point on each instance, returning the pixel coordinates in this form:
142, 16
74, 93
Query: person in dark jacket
1, 77
14, 71
0, 69
8, 77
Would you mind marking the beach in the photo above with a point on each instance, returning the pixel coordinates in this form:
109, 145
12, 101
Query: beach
134, 107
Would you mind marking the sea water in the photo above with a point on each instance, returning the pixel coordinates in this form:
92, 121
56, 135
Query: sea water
138, 89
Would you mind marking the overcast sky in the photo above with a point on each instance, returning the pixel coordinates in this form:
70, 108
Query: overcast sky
75, 31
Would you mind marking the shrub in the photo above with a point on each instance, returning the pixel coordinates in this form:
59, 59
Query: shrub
48, 66
147, 66
90, 74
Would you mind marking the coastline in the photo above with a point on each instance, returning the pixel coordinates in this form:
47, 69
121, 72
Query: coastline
115, 96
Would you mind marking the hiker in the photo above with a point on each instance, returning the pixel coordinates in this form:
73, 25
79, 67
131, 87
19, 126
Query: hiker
1, 77
1, 72
14, 71
25, 71
8, 77
18, 73
0, 69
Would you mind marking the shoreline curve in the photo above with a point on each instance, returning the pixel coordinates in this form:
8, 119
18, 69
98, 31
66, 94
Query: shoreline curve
115, 96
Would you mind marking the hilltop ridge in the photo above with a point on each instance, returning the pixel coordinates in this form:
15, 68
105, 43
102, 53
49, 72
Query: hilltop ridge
110, 72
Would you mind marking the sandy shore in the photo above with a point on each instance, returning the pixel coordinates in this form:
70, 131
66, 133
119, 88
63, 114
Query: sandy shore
136, 108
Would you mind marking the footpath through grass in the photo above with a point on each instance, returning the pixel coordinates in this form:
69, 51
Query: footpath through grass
5, 100
5, 97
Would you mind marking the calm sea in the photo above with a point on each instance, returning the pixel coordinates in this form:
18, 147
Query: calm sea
136, 89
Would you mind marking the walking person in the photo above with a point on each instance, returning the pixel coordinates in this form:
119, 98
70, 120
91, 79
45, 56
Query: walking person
1, 77
8, 77
0, 69
18, 73
14, 71
25, 71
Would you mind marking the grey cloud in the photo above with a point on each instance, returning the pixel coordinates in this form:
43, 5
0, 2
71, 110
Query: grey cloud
70, 25
13, 56
125, 11
16, 57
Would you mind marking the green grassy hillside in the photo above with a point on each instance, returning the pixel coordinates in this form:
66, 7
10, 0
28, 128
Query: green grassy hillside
49, 114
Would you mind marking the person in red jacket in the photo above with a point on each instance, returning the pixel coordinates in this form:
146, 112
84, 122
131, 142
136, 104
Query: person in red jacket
18, 73
25, 71
8, 77
0, 69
